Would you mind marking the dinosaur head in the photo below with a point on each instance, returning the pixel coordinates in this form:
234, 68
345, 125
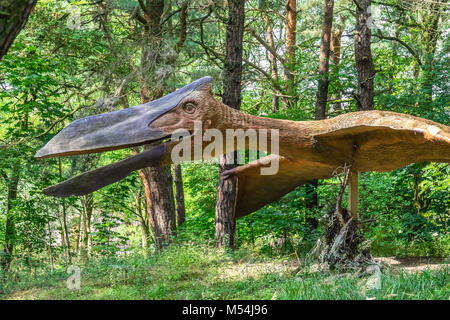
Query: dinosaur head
152, 122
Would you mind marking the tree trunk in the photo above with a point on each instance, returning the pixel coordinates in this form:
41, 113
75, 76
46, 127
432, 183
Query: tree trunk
321, 97
335, 45
161, 187
13, 17
79, 235
273, 62
429, 36
65, 229
50, 242
143, 221
363, 56
335, 48
148, 199
290, 45
10, 230
145, 234
158, 182
225, 222
87, 202
324, 58
311, 202
181, 210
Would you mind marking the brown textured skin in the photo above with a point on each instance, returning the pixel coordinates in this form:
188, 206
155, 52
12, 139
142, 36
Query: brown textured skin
256, 190
367, 140
370, 140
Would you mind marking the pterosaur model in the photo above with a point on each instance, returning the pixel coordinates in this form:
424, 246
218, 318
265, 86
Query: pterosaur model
368, 141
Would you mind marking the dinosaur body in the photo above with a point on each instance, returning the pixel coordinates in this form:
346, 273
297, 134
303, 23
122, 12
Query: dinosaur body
368, 141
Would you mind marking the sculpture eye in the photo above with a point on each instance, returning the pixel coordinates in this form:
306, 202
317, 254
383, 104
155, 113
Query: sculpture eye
189, 107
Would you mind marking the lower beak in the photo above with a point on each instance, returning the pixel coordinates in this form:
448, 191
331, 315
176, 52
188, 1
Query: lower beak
98, 178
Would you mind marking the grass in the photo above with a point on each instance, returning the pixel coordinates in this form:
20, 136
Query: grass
192, 271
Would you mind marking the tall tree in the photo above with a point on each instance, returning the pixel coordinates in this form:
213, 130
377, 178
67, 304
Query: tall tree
156, 58
179, 194
13, 17
87, 203
12, 183
290, 46
363, 55
64, 217
161, 192
225, 222
324, 59
143, 219
322, 94
273, 60
335, 57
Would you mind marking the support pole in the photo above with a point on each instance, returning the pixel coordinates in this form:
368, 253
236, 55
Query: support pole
353, 194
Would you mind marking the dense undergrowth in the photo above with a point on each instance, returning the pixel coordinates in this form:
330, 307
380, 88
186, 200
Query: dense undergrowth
186, 270
271, 242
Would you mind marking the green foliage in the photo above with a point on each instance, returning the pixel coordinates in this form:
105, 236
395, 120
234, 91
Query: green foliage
198, 271
199, 183
54, 74
107, 240
400, 228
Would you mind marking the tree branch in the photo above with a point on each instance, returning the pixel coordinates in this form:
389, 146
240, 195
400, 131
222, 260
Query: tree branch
139, 18
403, 43
357, 4
183, 28
143, 6
267, 46
172, 14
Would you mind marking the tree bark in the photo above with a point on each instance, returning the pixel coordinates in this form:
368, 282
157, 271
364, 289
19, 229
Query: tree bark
225, 222
87, 202
311, 202
50, 242
321, 97
430, 35
13, 17
363, 56
65, 231
335, 51
273, 62
10, 230
290, 46
158, 181
324, 58
179, 194
161, 187
335, 45
143, 221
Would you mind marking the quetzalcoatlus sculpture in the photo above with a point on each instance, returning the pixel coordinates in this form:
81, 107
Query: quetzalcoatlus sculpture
308, 150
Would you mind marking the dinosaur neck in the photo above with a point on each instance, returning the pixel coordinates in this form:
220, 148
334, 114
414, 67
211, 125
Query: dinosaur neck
292, 135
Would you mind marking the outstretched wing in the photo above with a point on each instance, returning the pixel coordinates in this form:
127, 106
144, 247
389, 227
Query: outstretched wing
368, 141
383, 140
256, 190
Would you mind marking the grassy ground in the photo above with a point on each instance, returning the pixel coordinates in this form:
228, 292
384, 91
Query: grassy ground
200, 272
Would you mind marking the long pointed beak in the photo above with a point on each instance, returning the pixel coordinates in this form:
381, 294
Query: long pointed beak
98, 178
116, 130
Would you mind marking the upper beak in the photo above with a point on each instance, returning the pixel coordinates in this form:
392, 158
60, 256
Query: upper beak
116, 130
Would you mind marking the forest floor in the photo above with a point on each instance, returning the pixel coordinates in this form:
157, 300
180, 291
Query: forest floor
198, 273
413, 264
